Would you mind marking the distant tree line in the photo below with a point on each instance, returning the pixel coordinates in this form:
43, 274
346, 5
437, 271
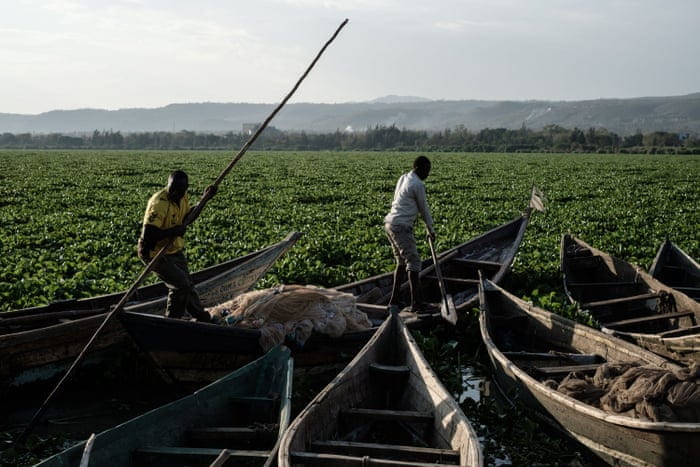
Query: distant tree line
552, 138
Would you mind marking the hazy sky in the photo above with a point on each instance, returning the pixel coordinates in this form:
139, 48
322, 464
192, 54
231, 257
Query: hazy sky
71, 54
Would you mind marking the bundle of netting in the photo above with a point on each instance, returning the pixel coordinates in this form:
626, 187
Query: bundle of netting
639, 391
293, 312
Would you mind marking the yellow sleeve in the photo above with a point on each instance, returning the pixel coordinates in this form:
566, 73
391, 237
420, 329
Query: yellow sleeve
156, 211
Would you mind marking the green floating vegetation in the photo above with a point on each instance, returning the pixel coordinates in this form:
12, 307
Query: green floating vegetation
70, 219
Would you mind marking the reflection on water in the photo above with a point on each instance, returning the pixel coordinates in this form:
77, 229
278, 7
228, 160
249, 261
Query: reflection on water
477, 388
471, 385
507, 432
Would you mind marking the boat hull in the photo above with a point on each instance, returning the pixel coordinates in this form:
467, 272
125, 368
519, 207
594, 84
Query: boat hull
155, 437
617, 439
38, 346
629, 303
368, 386
675, 268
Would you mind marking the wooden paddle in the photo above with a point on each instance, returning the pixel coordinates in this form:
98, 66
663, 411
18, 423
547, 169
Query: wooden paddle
85, 460
447, 308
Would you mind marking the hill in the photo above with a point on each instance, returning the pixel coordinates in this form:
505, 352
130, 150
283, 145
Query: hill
678, 114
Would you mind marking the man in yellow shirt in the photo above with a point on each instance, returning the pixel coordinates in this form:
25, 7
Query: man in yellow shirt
163, 220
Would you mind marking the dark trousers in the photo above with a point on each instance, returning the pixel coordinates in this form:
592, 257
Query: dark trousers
182, 296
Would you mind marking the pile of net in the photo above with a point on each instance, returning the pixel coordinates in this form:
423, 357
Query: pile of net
292, 312
639, 391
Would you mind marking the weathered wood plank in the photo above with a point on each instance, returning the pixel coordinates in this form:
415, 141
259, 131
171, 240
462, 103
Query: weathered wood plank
478, 263
407, 416
680, 332
333, 460
604, 284
617, 301
375, 311
230, 434
389, 369
566, 369
576, 357
390, 451
168, 455
455, 280
648, 319
226, 455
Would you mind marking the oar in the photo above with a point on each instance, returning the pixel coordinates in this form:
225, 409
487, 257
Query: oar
85, 460
447, 308
190, 218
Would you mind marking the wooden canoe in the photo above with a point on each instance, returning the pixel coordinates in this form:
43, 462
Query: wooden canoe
629, 303
192, 352
386, 407
492, 253
239, 418
675, 268
39, 343
527, 345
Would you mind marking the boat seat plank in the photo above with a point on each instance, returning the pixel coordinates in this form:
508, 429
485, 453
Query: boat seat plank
386, 451
374, 311
333, 460
616, 301
566, 369
478, 263
603, 284
577, 357
680, 332
648, 319
455, 280
372, 306
225, 456
398, 370
227, 433
389, 415
164, 455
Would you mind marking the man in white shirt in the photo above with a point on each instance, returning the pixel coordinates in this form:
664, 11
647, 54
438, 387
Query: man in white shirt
409, 201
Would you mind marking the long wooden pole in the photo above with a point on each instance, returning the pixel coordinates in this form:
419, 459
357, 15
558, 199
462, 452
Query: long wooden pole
197, 209
194, 213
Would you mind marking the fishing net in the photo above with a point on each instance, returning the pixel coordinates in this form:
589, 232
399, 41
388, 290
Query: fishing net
640, 391
293, 312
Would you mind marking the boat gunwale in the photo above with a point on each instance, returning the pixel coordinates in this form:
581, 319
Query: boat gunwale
134, 307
